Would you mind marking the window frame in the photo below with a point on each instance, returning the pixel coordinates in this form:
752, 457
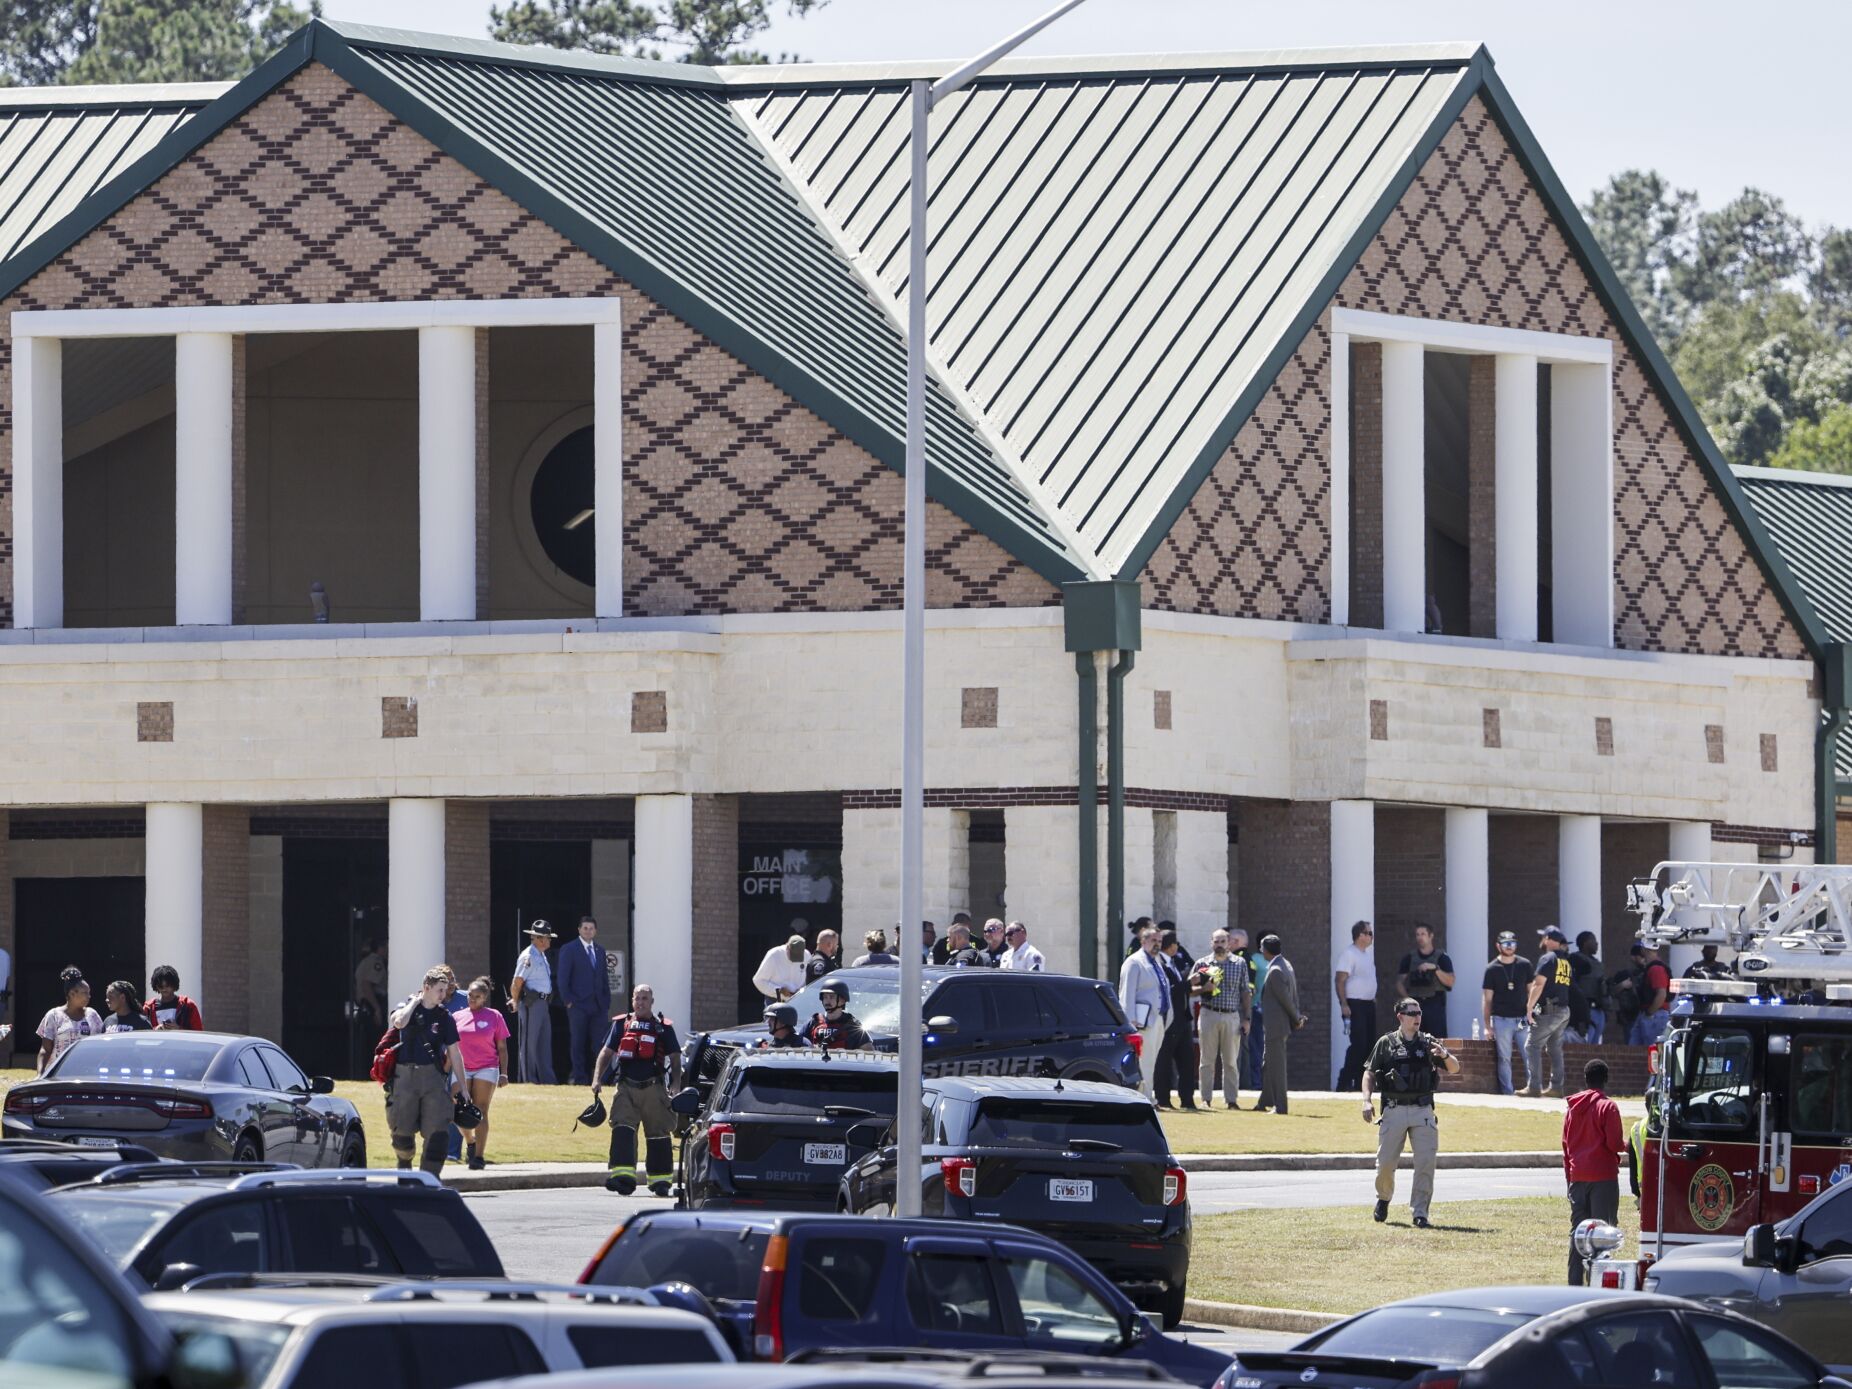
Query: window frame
1692, 1054
1796, 1045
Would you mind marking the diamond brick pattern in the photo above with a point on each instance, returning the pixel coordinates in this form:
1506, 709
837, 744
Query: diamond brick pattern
1255, 540
1471, 241
736, 498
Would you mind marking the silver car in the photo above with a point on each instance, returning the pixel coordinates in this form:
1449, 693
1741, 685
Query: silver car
1795, 1277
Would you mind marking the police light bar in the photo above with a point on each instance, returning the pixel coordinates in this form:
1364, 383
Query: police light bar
1715, 988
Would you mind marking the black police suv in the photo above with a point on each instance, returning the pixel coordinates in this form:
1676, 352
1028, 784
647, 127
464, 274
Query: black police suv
981, 1022
1079, 1161
780, 1126
170, 1223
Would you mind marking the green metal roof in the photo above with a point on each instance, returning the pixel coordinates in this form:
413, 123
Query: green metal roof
58, 145
1125, 252
1809, 518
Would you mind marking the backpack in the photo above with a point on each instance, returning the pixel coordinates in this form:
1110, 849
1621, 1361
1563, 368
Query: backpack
385, 1057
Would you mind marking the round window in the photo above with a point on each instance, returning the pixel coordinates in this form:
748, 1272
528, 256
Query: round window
561, 500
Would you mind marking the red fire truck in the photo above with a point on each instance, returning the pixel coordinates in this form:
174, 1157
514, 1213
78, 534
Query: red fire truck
1749, 1106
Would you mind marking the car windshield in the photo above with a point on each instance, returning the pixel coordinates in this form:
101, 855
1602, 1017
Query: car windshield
1435, 1335
116, 1225
1015, 1123
789, 1090
259, 1343
720, 1262
136, 1056
874, 999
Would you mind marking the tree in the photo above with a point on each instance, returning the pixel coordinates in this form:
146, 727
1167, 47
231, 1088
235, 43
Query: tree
697, 31
48, 41
1751, 245
1645, 226
1820, 446
1830, 283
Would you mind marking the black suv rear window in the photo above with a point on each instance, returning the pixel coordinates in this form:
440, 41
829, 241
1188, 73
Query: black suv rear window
438, 1237
1039, 1123
782, 1090
721, 1263
604, 1347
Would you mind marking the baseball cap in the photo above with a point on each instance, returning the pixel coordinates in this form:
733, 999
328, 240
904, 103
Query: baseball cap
1553, 933
1507, 938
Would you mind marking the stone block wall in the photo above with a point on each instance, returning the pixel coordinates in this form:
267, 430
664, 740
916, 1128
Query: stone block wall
1523, 879
1411, 877
1479, 1067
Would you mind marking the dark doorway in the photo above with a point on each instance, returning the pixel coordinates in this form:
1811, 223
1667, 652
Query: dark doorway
790, 884
334, 902
97, 924
549, 880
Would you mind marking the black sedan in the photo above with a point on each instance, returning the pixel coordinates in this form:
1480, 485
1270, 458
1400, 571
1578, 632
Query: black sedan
1478, 1338
196, 1096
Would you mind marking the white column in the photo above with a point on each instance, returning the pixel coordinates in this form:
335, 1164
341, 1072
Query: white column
1405, 521
1202, 876
1042, 869
1687, 841
202, 479
38, 483
1340, 479
447, 474
1353, 899
1469, 911
1581, 505
1515, 528
664, 896
1578, 875
414, 893
608, 466
175, 893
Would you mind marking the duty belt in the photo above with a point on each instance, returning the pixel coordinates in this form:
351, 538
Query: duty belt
535, 993
1392, 1102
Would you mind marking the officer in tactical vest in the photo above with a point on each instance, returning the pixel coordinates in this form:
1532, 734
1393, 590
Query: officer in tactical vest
645, 1050
835, 1026
781, 1027
1403, 1066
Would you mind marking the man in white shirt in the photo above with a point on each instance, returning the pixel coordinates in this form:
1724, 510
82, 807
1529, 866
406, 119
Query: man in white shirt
530, 997
1354, 979
1018, 953
781, 972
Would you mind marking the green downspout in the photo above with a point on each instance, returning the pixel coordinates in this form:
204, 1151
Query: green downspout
1834, 717
1089, 811
1101, 615
1115, 791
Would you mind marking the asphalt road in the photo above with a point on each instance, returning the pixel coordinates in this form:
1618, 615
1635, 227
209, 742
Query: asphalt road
549, 1235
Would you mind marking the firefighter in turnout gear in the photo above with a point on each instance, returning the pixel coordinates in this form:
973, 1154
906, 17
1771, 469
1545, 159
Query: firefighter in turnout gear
646, 1053
1403, 1065
835, 1026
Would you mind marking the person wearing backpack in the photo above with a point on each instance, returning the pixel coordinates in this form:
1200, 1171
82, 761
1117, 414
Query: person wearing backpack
1592, 985
427, 1076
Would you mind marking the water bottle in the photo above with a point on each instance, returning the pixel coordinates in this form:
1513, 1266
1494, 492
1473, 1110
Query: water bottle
1476, 1035
1347, 1027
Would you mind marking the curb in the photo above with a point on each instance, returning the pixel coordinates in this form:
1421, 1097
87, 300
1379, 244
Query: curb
1355, 1162
1252, 1318
533, 1179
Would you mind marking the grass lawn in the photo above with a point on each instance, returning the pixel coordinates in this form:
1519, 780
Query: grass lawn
530, 1123
527, 1123
1336, 1259
1333, 1126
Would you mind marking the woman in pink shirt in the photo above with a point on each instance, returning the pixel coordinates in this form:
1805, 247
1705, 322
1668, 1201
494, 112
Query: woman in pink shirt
483, 1036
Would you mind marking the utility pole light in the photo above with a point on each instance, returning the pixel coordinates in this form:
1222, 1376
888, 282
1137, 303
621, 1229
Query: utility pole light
908, 1119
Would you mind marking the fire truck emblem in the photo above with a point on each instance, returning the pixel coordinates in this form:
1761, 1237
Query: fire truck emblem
1713, 1197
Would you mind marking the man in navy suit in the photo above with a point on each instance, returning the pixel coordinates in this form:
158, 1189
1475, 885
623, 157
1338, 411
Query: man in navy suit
585, 988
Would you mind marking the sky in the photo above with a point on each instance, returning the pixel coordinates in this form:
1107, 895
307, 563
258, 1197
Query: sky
1715, 96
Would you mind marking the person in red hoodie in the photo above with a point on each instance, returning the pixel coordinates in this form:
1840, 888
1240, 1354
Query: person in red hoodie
1593, 1146
169, 1008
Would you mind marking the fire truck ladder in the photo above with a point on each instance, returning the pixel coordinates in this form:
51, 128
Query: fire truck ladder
1784, 921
